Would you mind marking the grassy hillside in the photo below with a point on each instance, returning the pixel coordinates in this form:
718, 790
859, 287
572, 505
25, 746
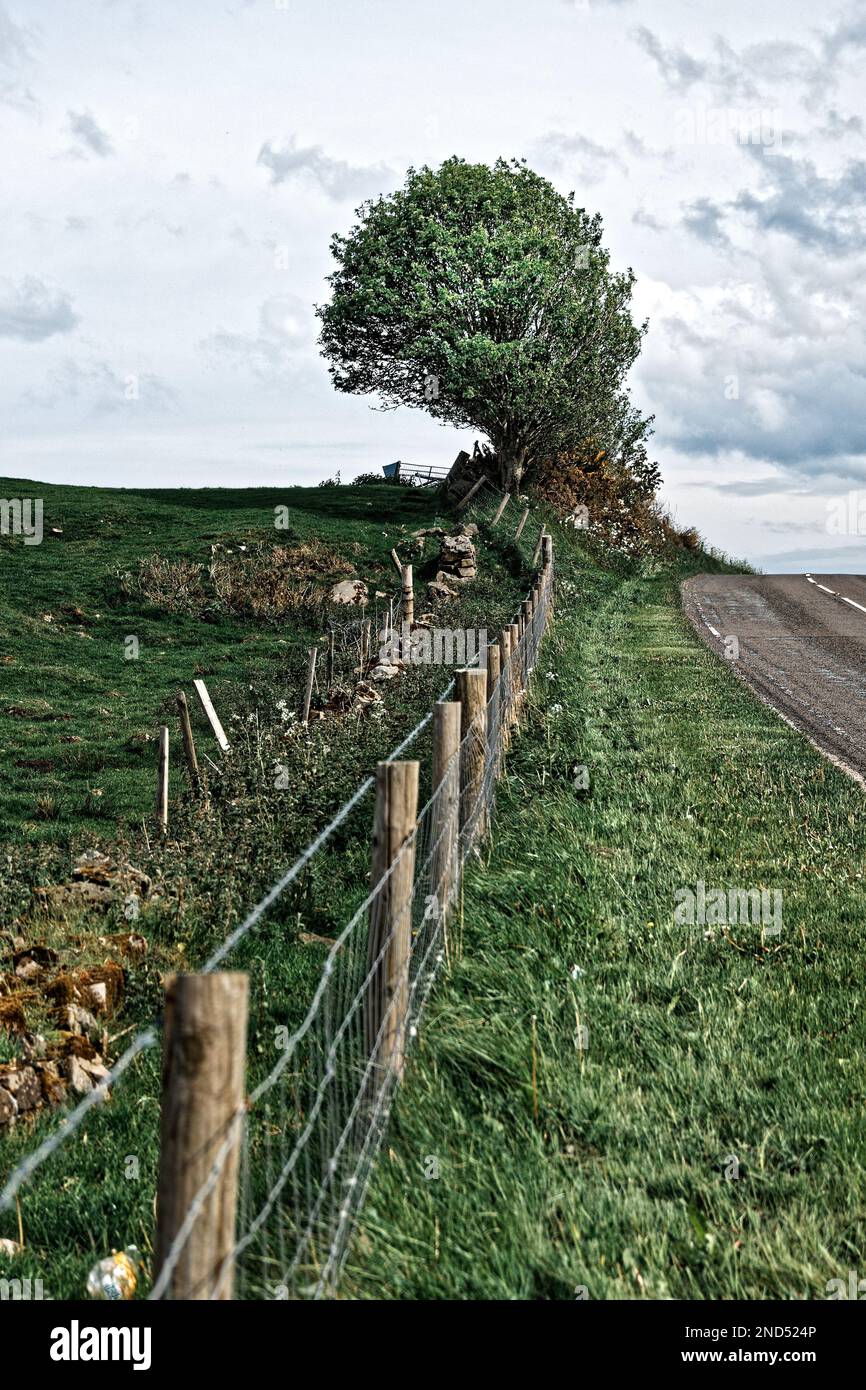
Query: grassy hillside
703, 1137
77, 729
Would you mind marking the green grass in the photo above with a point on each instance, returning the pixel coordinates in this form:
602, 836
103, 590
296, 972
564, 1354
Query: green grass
611, 1177
97, 1192
69, 676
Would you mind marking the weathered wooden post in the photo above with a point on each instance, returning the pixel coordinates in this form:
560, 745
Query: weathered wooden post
494, 705
162, 779
548, 572
472, 693
389, 943
203, 1067
188, 742
506, 497
516, 670
520, 525
445, 822
506, 702
408, 613
537, 551
311, 676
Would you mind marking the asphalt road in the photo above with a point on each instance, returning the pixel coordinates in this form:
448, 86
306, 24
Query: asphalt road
799, 641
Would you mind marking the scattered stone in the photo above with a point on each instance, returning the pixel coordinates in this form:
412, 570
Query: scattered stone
349, 591
438, 589
8, 1107
79, 1080
97, 1072
99, 997
457, 559
10, 1247
23, 1084
28, 970
385, 671
75, 1019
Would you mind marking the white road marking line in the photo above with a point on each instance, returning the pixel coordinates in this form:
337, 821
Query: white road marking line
833, 592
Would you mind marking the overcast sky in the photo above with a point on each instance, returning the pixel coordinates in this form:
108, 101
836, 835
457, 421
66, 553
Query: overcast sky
172, 174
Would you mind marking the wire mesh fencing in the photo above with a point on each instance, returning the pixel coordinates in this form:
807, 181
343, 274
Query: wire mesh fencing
308, 1132
270, 1199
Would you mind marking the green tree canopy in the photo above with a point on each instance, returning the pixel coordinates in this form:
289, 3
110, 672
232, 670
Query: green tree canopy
484, 296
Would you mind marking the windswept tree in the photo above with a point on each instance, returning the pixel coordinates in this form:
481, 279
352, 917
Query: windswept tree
485, 297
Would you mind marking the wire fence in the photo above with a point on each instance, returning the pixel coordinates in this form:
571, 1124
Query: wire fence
305, 1137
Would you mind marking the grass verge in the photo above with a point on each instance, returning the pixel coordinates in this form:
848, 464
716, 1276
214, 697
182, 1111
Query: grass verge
605, 1103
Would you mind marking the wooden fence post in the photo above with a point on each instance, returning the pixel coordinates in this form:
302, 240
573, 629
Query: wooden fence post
311, 675
408, 613
188, 742
464, 501
520, 525
506, 704
203, 1066
548, 572
472, 693
445, 826
494, 705
389, 944
162, 779
331, 644
516, 671
501, 508
537, 551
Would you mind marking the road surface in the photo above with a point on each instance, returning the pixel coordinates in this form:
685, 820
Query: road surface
799, 641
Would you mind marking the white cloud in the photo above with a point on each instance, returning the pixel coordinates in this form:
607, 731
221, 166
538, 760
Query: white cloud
32, 311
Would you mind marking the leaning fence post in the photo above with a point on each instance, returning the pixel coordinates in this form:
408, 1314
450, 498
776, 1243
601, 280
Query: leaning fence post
464, 501
520, 525
537, 551
201, 1123
162, 779
311, 675
506, 497
389, 944
445, 826
472, 693
188, 741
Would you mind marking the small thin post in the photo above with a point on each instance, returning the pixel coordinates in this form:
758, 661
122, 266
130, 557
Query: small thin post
162, 779
520, 525
538, 548
308, 692
188, 742
506, 497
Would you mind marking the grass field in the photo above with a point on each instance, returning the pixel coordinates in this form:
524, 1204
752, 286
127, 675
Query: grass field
704, 1137
67, 607
604, 1103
